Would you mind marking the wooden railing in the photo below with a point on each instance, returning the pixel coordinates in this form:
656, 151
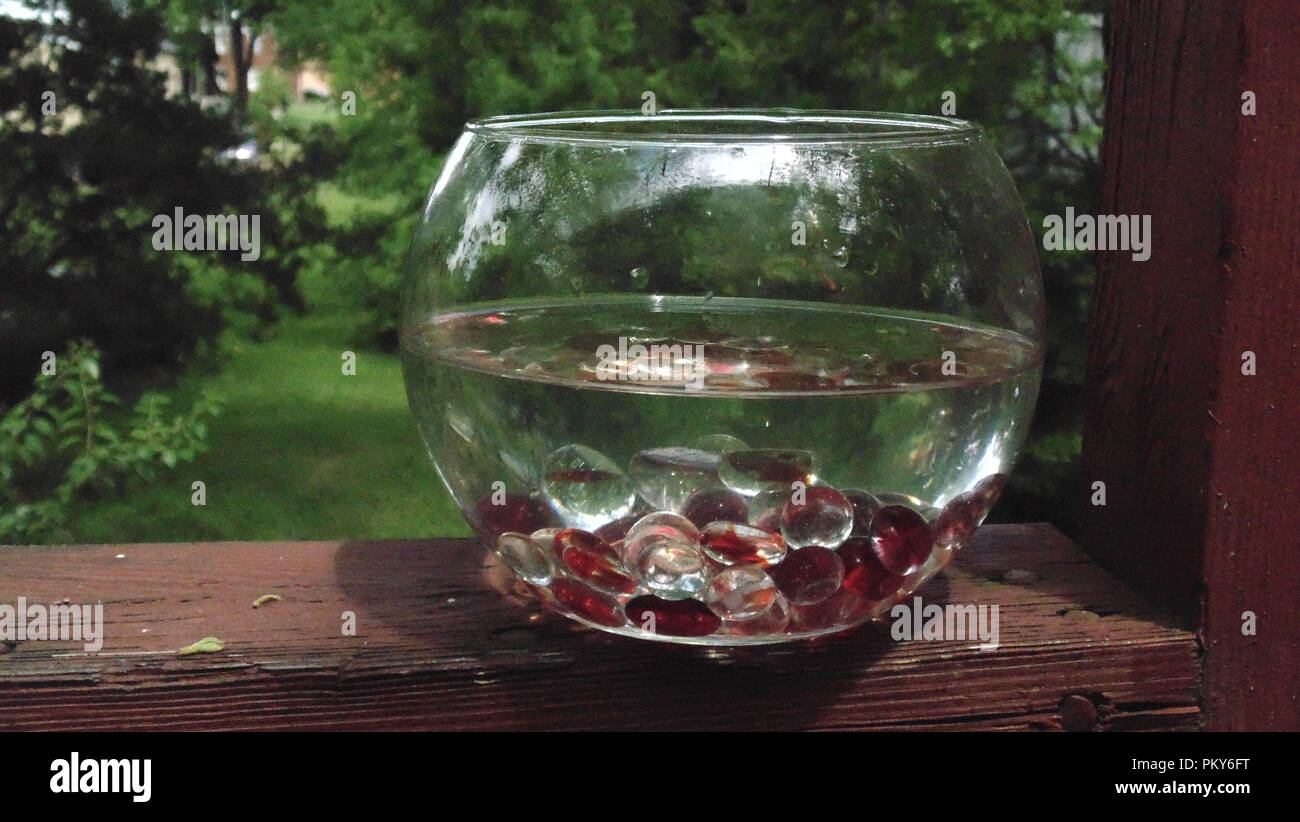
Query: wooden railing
438, 646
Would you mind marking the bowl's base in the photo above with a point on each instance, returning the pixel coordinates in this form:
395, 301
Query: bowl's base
838, 614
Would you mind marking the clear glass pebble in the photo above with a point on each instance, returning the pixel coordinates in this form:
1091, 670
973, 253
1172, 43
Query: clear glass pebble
906, 500
773, 620
740, 592
673, 569
765, 509
716, 505
767, 469
545, 537
865, 507
530, 561
819, 515
666, 477
586, 488
719, 444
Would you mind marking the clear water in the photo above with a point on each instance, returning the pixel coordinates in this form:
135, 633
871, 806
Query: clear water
887, 402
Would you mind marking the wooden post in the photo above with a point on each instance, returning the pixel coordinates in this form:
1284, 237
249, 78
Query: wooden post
1201, 459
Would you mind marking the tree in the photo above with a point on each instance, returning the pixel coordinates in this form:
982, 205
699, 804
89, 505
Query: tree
92, 149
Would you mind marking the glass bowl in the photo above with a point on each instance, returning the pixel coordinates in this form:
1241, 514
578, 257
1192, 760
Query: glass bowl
723, 376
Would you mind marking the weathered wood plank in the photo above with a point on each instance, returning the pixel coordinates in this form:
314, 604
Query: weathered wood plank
438, 646
1200, 460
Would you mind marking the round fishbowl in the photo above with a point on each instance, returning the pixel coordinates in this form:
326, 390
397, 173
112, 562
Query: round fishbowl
723, 377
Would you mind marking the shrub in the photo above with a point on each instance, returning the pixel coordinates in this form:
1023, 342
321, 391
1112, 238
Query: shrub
61, 444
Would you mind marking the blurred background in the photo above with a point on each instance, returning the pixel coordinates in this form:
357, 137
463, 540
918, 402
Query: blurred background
153, 395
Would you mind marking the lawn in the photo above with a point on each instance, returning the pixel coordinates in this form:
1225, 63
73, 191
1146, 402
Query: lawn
300, 451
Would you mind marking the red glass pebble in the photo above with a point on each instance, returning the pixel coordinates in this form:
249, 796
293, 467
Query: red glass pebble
677, 617
715, 505
585, 541
958, 520
865, 507
587, 602
863, 573
595, 562
808, 575
901, 538
516, 512
732, 543
989, 489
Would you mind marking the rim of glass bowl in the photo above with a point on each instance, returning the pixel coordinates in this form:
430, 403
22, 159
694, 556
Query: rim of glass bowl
676, 127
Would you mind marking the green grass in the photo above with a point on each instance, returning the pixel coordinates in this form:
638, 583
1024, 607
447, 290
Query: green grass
300, 451
307, 113
341, 206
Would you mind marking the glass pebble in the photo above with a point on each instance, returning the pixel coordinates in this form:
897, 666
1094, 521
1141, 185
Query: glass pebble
808, 575
586, 488
900, 538
765, 509
587, 602
766, 469
740, 592
715, 505
863, 573
532, 562
666, 477
672, 617
593, 561
818, 515
673, 569
773, 620
732, 543
510, 512
865, 507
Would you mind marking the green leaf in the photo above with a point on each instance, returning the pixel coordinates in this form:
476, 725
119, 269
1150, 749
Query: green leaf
207, 645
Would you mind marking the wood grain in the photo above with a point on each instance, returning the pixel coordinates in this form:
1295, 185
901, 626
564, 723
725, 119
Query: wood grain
439, 647
1201, 461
